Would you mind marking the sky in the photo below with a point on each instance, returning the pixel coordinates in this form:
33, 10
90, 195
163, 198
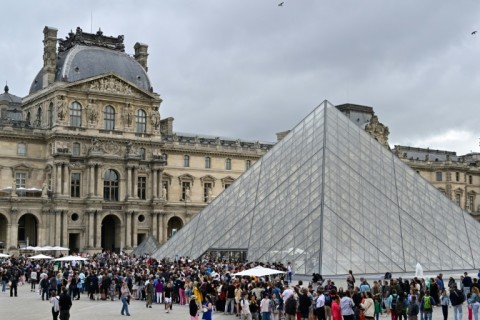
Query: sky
249, 69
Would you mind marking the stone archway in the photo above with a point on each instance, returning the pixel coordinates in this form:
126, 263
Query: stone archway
173, 226
111, 233
27, 230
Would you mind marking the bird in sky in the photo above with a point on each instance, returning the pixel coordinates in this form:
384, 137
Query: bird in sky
280, 4
473, 32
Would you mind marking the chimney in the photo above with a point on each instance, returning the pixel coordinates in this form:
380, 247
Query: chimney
141, 54
49, 55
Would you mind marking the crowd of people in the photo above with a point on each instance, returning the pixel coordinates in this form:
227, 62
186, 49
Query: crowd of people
207, 287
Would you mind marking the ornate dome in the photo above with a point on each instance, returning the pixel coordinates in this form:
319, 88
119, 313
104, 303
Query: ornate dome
80, 57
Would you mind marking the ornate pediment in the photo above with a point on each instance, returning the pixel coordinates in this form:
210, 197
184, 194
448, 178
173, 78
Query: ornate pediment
110, 84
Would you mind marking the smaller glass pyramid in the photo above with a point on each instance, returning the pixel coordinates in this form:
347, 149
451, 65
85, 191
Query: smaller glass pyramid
329, 198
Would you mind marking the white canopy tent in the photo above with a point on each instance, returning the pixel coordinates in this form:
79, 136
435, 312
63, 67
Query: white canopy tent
71, 258
258, 271
40, 256
45, 248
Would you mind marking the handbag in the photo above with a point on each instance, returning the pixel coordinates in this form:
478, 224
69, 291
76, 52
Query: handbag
205, 309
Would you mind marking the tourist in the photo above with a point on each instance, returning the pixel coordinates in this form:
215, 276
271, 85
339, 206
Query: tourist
33, 280
368, 306
124, 299
444, 302
65, 303
413, 309
167, 297
193, 308
55, 304
426, 305
266, 307
304, 303
208, 309
149, 293
475, 302
456, 299
346, 306
336, 311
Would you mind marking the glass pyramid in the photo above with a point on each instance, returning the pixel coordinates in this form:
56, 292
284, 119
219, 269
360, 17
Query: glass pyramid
329, 198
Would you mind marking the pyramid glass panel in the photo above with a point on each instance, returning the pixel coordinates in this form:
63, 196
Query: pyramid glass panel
329, 199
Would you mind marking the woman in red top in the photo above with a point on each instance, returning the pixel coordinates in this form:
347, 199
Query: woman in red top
336, 311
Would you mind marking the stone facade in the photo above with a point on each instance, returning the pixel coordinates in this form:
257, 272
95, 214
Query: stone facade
89, 164
458, 177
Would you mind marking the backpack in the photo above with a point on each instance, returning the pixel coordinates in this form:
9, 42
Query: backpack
413, 309
461, 296
399, 306
427, 303
394, 302
328, 300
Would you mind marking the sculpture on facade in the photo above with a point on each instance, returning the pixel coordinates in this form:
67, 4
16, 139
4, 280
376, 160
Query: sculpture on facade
61, 112
187, 194
164, 193
44, 190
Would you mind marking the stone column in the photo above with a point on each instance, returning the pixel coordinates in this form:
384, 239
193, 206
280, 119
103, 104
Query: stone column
134, 182
154, 183
66, 173
134, 230
129, 182
160, 182
91, 181
58, 179
58, 227
128, 229
98, 234
164, 228
154, 224
91, 230
13, 234
99, 184
65, 228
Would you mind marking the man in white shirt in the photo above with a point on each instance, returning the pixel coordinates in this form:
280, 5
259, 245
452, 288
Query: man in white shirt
320, 306
33, 280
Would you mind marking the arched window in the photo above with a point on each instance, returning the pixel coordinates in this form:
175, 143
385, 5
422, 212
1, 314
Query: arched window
186, 161
228, 164
208, 162
110, 186
109, 118
141, 121
75, 114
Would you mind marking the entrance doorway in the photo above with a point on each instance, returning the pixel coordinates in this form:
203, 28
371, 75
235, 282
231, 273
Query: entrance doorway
74, 242
111, 233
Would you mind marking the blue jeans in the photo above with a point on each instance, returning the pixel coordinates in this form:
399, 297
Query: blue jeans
457, 312
124, 306
428, 315
231, 302
265, 315
4, 285
475, 310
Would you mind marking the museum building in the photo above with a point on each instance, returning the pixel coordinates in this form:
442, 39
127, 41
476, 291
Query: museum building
87, 161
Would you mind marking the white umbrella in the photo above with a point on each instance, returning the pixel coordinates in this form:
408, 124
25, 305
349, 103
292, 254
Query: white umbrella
57, 248
71, 258
40, 256
258, 271
3, 255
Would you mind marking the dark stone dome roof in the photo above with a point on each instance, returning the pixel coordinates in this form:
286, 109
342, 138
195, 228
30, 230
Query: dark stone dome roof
82, 62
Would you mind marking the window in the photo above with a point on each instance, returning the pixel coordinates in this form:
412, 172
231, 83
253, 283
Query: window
75, 185
228, 164
165, 158
248, 164
227, 185
457, 176
470, 179
50, 115
186, 191
142, 188
438, 176
76, 114
21, 149
141, 152
208, 162
207, 190
141, 121
109, 118
76, 149
110, 186
186, 161
20, 179
457, 198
